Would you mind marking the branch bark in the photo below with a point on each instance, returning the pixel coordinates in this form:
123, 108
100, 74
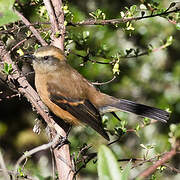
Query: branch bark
153, 168
56, 15
31, 27
62, 155
120, 20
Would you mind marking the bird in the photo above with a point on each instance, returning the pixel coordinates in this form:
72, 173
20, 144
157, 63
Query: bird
76, 100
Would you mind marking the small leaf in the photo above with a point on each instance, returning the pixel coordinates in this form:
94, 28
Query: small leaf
119, 131
98, 14
147, 121
129, 26
143, 146
142, 13
108, 168
168, 110
142, 7
133, 9
85, 34
169, 41
116, 68
7, 68
122, 14
20, 52
58, 34
137, 127
172, 5
7, 14
178, 26
20, 172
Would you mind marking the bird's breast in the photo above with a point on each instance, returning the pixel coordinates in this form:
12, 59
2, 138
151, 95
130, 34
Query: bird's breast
41, 81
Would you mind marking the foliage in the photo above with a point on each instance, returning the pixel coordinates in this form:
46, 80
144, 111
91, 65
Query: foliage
6, 12
142, 54
108, 168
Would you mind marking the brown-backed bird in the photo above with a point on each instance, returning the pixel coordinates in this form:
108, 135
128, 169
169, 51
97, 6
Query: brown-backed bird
73, 98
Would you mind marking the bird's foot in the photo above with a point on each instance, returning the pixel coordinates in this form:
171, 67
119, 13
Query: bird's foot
62, 141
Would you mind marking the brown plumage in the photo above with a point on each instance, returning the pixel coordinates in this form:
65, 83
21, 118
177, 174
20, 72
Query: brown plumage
73, 98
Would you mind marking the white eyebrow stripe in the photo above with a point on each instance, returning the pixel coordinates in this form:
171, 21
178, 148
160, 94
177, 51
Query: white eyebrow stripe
50, 52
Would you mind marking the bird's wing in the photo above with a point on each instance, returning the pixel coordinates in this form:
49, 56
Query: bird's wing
81, 109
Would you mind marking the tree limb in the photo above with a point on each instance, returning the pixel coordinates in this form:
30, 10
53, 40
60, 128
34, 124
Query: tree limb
120, 20
56, 15
160, 162
33, 30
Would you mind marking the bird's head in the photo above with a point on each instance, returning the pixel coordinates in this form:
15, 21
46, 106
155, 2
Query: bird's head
47, 58
49, 53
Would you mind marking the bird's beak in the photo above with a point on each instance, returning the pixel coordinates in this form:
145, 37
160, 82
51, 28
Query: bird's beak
29, 56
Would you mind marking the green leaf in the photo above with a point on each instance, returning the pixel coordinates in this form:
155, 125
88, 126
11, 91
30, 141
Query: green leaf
126, 171
20, 52
98, 14
7, 14
133, 9
178, 26
85, 34
172, 5
108, 168
175, 129
116, 67
169, 41
7, 68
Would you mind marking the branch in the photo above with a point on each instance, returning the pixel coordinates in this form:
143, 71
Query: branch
35, 150
113, 61
153, 168
103, 83
121, 20
3, 166
33, 30
11, 173
24, 88
56, 15
172, 168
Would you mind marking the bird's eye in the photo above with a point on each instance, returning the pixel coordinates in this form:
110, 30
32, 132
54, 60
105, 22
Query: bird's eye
46, 57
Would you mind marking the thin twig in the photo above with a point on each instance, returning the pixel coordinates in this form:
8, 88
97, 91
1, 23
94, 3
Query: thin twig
18, 44
87, 58
130, 159
11, 173
121, 20
21, 27
33, 30
35, 150
160, 162
3, 166
103, 83
148, 160
172, 168
86, 161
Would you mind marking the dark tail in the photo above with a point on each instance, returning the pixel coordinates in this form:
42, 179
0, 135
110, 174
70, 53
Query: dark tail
139, 109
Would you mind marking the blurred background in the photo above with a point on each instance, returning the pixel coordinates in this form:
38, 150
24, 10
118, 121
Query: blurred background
152, 79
